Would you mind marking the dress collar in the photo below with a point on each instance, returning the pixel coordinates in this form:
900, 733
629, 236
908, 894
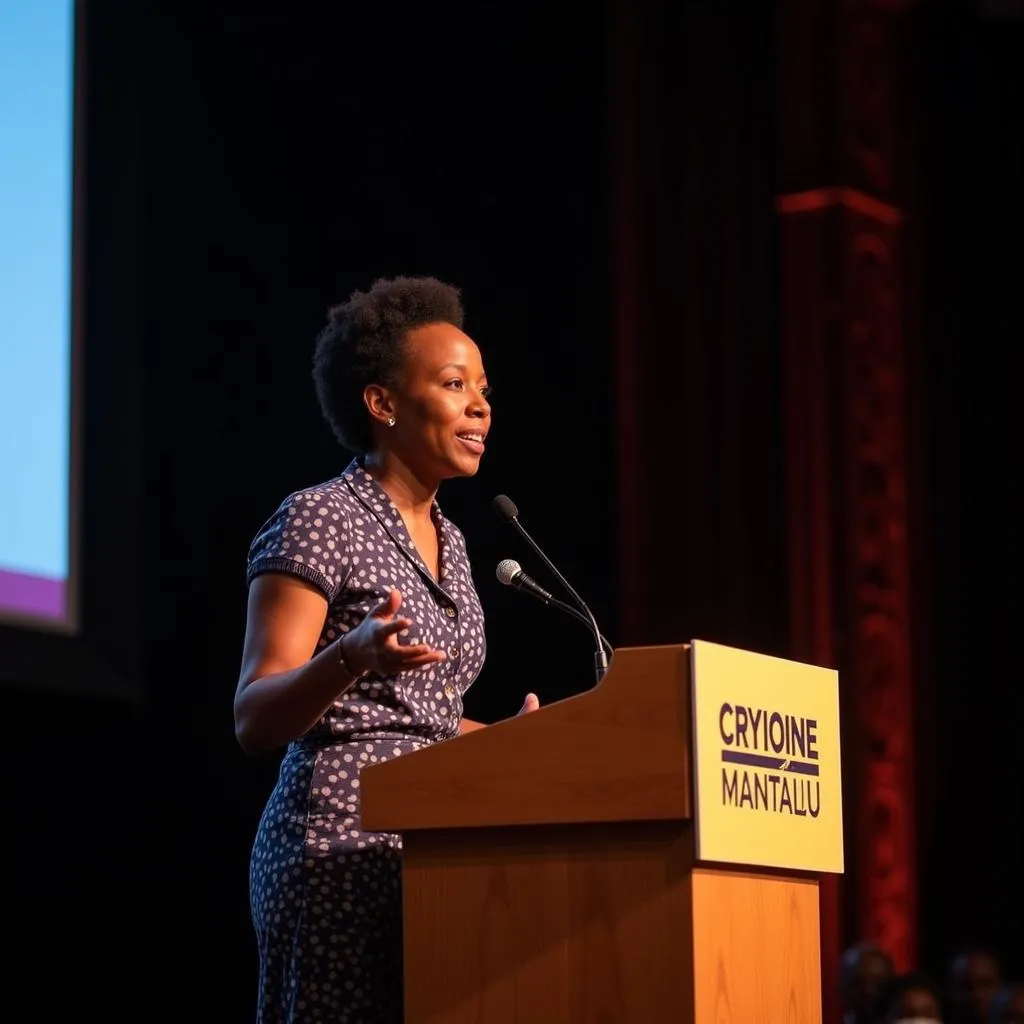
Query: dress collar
376, 500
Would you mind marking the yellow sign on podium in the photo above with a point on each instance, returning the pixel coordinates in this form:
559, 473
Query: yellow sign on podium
768, 781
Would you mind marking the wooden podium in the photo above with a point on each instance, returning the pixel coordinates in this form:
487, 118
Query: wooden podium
552, 874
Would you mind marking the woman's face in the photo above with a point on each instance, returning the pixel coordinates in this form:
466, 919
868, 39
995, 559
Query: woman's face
440, 405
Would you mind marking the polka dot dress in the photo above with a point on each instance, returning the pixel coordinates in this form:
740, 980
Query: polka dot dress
326, 895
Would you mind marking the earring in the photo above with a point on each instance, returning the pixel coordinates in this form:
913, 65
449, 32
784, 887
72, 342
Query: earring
391, 421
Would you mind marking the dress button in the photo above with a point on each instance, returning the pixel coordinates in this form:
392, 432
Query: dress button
453, 651
449, 691
450, 611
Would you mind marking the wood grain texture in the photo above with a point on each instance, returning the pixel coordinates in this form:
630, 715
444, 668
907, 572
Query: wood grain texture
597, 925
756, 956
563, 924
619, 752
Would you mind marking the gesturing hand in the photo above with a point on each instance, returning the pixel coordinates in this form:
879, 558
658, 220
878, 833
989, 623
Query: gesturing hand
532, 703
373, 645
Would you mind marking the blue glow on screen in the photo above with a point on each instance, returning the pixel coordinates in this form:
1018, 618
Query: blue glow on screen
36, 193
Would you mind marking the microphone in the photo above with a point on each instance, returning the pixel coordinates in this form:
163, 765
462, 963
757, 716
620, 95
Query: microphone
510, 572
505, 509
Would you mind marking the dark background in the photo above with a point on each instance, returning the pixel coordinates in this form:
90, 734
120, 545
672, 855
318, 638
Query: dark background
971, 251
242, 170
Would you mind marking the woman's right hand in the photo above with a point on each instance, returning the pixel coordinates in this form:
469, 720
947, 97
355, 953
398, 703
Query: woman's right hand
373, 645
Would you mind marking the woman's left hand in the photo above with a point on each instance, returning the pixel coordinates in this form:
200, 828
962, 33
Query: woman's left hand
532, 703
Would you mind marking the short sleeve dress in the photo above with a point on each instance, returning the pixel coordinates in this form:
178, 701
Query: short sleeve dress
325, 894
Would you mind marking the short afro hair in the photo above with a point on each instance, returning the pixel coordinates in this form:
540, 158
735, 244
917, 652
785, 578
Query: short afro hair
364, 343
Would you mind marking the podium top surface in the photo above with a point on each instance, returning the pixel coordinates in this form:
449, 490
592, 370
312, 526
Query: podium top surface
618, 752
744, 746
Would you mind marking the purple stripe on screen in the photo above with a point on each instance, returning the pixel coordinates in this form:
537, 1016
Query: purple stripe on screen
32, 595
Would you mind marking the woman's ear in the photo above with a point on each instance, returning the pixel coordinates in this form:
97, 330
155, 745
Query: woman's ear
378, 403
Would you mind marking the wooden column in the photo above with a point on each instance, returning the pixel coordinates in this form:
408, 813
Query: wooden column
844, 340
